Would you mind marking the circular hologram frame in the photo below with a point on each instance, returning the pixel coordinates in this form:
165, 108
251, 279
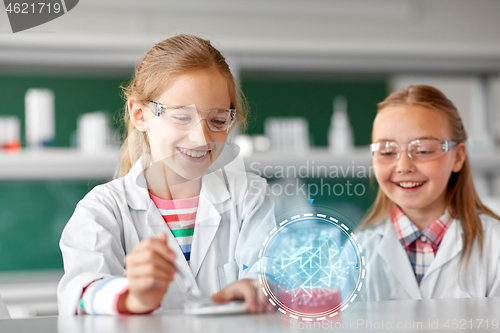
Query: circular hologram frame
311, 267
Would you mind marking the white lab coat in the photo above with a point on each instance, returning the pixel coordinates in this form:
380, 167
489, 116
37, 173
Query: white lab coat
234, 215
389, 275
4, 313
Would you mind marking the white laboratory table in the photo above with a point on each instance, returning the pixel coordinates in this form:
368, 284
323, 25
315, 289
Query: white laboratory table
448, 315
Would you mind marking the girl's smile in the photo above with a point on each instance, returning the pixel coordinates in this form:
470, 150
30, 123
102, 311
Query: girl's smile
409, 185
194, 155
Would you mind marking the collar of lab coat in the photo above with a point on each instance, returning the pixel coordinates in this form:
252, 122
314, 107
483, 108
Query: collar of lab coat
396, 258
213, 187
451, 246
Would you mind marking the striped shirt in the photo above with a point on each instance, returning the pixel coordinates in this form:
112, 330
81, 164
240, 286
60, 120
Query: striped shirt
180, 216
421, 246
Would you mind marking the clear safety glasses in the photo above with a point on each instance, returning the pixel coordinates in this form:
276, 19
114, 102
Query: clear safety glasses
418, 150
187, 117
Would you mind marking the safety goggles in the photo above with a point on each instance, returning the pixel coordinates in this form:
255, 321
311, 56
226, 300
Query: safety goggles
187, 117
418, 150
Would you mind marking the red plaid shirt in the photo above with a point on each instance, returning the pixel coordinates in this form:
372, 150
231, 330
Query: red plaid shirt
421, 246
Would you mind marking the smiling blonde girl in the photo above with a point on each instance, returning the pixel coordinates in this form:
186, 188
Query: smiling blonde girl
427, 235
180, 211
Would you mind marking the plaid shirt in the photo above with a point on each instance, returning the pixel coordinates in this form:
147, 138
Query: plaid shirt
421, 246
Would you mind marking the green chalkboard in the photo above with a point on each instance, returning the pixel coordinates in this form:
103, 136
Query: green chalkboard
33, 213
32, 217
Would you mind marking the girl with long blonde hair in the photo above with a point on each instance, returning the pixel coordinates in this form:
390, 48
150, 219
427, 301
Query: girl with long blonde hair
181, 222
427, 235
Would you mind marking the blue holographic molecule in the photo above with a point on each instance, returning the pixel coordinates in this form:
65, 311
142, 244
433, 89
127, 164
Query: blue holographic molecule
309, 267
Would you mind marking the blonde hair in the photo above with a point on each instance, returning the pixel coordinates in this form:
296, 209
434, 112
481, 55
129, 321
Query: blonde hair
166, 61
462, 199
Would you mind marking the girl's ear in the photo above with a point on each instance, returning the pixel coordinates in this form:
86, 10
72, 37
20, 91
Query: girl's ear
138, 116
461, 153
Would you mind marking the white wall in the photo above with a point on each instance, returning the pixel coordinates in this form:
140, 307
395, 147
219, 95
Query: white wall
338, 35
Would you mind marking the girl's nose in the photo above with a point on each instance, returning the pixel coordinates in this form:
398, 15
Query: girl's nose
405, 163
200, 134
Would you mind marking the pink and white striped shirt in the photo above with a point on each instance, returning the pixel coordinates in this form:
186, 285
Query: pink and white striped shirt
180, 216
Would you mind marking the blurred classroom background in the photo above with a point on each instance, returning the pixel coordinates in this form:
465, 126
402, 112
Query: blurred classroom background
312, 71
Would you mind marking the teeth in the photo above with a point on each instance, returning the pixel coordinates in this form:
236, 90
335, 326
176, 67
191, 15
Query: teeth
409, 184
193, 153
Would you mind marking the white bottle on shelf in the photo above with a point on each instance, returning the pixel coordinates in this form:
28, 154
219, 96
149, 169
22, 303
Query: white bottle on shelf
93, 132
340, 134
40, 121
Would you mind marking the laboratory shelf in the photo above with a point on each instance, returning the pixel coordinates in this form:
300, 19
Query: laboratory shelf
58, 164
71, 163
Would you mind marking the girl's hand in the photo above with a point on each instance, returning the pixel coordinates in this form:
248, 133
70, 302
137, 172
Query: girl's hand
150, 269
247, 290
